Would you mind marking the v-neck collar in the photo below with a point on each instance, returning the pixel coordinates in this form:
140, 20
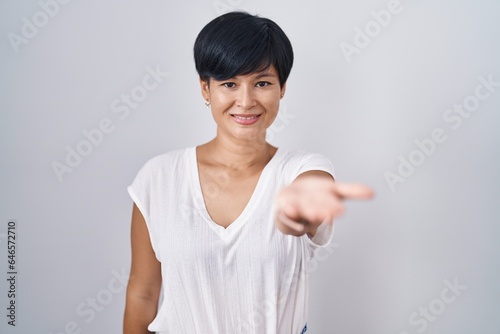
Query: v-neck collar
236, 224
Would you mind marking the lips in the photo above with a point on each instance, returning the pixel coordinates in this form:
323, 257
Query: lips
245, 119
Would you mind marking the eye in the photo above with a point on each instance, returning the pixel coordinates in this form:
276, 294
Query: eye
229, 84
263, 84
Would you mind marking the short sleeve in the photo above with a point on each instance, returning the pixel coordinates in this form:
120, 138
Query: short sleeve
315, 161
324, 233
140, 192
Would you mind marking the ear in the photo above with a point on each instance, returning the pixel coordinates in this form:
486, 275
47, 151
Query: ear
283, 89
205, 89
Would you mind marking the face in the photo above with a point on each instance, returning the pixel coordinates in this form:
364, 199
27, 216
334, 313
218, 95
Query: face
244, 106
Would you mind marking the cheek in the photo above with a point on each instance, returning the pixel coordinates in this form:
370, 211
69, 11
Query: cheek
271, 100
273, 106
221, 100
217, 103
272, 112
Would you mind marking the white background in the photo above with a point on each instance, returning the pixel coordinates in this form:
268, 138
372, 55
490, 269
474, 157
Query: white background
391, 256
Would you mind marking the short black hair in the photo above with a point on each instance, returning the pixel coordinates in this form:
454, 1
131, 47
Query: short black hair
238, 43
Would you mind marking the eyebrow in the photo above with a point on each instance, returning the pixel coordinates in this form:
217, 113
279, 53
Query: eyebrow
263, 75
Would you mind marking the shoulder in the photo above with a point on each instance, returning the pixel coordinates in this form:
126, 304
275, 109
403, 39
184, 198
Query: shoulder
169, 158
297, 161
299, 156
165, 164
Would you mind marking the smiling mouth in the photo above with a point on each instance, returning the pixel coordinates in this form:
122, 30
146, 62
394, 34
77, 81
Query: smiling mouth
242, 117
245, 119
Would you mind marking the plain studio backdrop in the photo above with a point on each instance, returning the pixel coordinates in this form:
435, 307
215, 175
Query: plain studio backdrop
401, 95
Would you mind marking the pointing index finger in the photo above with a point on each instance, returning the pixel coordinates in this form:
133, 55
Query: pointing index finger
353, 190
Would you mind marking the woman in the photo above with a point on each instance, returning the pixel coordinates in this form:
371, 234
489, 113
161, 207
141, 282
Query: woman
229, 227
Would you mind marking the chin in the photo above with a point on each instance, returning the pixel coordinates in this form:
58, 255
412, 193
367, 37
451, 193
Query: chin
252, 136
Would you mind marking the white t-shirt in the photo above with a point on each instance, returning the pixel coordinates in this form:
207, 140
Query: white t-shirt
249, 278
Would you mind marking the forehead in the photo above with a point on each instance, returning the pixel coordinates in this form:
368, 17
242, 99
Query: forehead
269, 72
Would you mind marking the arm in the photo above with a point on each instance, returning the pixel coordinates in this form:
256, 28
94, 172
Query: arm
312, 198
144, 284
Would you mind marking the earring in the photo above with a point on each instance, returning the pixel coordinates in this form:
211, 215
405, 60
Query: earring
207, 104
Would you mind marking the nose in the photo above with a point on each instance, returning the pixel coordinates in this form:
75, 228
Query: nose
245, 98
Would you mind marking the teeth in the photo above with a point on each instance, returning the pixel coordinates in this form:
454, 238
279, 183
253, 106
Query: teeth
240, 117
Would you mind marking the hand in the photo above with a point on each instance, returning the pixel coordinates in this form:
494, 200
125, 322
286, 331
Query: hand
309, 201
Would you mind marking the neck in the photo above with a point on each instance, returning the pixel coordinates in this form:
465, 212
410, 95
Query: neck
239, 155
